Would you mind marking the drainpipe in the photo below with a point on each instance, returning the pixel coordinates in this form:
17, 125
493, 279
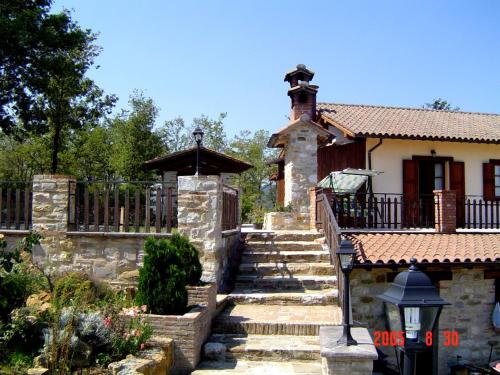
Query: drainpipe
370, 188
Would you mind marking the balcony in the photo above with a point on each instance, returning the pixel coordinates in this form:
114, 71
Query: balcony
389, 211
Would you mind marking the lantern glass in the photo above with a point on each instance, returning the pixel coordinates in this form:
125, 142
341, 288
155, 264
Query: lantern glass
412, 322
198, 135
346, 261
393, 317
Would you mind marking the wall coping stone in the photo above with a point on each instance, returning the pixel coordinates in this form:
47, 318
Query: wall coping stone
365, 350
230, 232
15, 232
117, 234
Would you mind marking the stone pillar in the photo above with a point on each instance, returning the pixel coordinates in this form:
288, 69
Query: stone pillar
200, 218
340, 359
51, 195
445, 208
170, 180
301, 172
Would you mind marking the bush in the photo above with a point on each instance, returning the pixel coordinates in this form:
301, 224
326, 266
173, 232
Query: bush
169, 265
73, 288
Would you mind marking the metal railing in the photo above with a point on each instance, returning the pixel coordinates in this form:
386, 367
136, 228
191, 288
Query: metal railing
118, 206
16, 200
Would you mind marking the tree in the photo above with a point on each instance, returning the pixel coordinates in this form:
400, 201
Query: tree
177, 136
44, 74
441, 105
257, 190
133, 139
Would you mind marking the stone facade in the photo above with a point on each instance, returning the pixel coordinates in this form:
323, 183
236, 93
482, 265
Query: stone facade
472, 301
300, 170
200, 218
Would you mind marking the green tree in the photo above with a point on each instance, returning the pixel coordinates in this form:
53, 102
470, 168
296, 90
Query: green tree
441, 105
133, 140
43, 74
257, 191
176, 135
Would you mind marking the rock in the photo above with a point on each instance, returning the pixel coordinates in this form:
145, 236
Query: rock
40, 361
215, 351
81, 353
38, 371
129, 276
39, 302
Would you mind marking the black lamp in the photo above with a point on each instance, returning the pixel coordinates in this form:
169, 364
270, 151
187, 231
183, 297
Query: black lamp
198, 137
346, 256
412, 305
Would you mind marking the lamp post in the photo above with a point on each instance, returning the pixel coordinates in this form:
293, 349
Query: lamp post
346, 256
198, 137
412, 305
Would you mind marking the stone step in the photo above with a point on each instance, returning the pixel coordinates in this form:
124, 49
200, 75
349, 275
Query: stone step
282, 245
286, 282
286, 256
278, 268
267, 348
276, 319
285, 236
288, 298
243, 367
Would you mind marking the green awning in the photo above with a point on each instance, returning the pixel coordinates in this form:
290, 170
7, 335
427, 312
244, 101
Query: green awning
347, 181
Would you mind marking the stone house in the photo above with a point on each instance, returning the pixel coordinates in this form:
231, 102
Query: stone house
435, 197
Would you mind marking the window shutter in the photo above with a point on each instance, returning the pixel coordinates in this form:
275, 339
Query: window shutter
410, 193
488, 181
457, 183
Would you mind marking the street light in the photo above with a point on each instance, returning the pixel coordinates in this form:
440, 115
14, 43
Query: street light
198, 137
412, 305
346, 256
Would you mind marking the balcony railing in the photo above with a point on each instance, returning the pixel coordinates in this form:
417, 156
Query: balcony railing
395, 211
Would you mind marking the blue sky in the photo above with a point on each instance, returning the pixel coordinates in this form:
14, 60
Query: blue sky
212, 56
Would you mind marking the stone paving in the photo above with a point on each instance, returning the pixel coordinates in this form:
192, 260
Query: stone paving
285, 290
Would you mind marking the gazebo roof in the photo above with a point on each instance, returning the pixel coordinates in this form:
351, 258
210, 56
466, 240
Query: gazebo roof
184, 163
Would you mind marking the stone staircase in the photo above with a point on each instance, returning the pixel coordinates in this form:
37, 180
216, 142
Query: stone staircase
285, 290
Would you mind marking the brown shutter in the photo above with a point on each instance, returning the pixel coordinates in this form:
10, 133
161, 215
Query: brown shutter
280, 183
457, 183
488, 181
410, 193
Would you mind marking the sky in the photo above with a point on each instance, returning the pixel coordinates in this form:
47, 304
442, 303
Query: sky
209, 56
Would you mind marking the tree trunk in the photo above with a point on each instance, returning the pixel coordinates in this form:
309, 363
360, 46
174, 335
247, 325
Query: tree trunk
55, 149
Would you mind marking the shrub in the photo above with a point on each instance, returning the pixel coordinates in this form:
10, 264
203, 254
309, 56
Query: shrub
73, 288
169, 265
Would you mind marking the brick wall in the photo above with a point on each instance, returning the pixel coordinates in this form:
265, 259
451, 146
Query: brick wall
445, 206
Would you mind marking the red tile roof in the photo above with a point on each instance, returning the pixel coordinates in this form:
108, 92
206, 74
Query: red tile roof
393, 248
413, 123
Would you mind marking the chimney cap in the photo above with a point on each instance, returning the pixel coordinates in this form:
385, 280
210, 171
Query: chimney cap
302, 73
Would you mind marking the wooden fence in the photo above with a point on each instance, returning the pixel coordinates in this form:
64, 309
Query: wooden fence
136, 206
16, 199
230, 208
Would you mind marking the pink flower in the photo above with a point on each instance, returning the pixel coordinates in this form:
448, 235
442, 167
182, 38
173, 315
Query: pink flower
142, 346
144, 308
107, 321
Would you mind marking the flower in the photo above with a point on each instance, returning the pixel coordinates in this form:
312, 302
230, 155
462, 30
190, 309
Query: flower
144, 308
142, 346
107, 321
1, 236
137, 333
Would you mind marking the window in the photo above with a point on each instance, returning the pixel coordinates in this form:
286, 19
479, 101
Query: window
439, 176
491, 180
497, 180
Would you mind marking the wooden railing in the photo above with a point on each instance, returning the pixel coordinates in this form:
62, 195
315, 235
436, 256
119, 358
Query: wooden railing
394, 211
16, 199
135, 206
230, 208
325, 221
480, 214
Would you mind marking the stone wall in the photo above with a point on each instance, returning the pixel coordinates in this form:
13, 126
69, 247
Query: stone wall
472, 298
12, 237
300, 171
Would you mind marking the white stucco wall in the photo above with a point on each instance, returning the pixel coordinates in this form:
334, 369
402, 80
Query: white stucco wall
389, 159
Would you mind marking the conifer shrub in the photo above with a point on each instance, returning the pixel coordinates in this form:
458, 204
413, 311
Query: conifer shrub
169, 266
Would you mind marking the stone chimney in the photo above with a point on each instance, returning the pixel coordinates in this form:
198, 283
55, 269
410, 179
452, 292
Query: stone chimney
301, 93
445, 208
